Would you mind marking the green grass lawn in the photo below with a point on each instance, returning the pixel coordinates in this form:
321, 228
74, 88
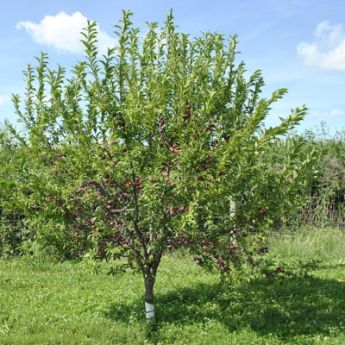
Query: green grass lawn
72, 303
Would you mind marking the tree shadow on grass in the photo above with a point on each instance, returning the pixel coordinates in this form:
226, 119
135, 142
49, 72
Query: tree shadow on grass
292, 307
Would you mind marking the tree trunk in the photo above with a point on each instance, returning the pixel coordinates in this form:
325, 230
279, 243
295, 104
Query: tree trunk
150, 272
149, 300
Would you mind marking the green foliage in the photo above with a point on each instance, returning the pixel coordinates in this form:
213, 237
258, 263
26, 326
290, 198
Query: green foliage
327, 195
13, 232
323, 201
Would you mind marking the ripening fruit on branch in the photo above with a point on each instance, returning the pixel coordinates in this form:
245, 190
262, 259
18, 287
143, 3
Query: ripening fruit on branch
174, 148
187, 113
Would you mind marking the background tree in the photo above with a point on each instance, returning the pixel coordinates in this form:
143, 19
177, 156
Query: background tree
156, 145
325, 206
13, 232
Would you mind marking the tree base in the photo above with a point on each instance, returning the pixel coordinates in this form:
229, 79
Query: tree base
149, 312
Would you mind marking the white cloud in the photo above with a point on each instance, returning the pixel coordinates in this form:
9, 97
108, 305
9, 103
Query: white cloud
327, 51
3, 99
63, 32
327, 114
336, 112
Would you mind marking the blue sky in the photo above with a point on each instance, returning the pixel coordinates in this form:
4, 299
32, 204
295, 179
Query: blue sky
299, 44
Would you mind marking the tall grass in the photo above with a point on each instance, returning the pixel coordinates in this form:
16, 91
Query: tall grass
324, 244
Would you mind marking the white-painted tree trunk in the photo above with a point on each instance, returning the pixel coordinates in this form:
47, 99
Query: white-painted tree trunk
149, 300
149, 311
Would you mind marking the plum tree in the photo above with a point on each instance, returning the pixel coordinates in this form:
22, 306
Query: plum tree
158, 144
